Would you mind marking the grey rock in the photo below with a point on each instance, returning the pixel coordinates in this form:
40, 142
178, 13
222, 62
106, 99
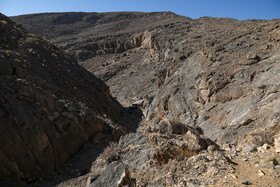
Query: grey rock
138, 103
245, 182
212, 181
269, 165
249, 149
111, 176
194, 183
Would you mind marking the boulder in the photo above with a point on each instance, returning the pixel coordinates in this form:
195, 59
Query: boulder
249, 149
181, 144
115, 172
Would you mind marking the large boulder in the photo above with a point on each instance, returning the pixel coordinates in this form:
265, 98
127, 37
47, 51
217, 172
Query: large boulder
177, 142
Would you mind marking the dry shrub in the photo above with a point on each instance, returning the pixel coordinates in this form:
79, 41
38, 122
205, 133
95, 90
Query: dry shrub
265, 135
110, 151
108, 155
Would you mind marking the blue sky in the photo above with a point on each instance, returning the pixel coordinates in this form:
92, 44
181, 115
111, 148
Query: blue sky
239, 9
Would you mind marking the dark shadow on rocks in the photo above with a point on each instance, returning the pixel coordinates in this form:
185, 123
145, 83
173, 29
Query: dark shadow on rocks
135, 116
6, 183
81, 162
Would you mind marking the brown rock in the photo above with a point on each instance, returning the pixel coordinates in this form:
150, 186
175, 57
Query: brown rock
48, 110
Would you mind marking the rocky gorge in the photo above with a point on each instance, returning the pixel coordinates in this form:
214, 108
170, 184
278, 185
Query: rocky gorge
195, 102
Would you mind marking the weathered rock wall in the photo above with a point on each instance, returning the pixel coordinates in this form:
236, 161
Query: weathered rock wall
49, 105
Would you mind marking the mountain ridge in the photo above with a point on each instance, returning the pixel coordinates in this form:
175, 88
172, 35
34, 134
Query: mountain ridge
208, 89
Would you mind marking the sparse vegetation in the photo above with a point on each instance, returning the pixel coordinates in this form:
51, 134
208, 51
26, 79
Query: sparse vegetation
108, 155
262, 136
110, 151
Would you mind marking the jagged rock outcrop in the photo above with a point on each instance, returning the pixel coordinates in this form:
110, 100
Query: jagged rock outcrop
49, 106
157, 155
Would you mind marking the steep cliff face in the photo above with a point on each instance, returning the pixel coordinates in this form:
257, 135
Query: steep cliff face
50, 105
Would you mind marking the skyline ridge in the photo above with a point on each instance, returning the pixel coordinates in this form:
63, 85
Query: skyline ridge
240, 10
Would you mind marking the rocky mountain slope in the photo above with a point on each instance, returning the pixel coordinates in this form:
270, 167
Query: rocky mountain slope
217, 73
85, 35
201, 84
50, 106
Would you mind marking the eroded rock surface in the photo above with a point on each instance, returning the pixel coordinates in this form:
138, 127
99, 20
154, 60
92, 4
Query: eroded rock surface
200, 82
49, 106
85, 35
216, 73
155, 157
